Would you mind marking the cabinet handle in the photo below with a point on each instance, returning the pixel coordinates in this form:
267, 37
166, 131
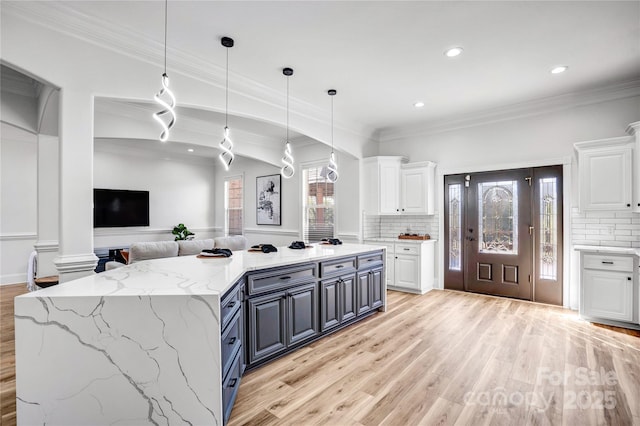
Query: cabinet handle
370, 260
628, 205
285, 278
232, 304
406, 249
233, 382
397, 210
402, 209
628, 278
638, 204
607, 263
232, 340
339, 266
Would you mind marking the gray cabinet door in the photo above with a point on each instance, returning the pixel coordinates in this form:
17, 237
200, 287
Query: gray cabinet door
363, 296
330, 303
267, 326
347, 298
377, 287
302, 313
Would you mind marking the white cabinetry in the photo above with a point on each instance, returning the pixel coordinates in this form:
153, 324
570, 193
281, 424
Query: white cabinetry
409, 266
391, 187
605, 170
634, 131
609, 288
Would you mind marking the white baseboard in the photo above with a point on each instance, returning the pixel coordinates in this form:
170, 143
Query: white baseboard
13, 279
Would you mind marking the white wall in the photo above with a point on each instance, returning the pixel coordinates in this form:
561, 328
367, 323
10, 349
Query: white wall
536, 140
180, 191
347, 204
18, 202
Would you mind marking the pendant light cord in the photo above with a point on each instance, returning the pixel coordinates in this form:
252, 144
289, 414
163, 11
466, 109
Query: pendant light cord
287, 141
332, 124
165, 35
226, 91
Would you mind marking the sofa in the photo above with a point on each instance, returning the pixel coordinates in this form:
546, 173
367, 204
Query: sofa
161, 249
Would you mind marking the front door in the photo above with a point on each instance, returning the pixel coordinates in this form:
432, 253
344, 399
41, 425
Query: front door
498, 242
503, 233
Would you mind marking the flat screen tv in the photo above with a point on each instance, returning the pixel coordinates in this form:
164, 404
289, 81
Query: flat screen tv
118, 207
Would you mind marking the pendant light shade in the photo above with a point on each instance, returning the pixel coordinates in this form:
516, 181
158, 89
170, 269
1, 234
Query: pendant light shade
166, 117
226, 144
288, 170
332, 168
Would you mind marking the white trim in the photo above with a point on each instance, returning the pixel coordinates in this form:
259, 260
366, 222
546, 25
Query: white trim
10, 279
265, 231
568, 281
619, 90
46, 246
76, 263
504, 166
104, 232
16, 236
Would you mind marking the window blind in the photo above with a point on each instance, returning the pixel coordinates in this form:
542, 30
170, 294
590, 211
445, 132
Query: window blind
319, 205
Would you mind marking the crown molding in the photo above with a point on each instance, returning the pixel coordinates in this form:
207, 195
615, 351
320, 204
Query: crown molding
619, 90
63, 18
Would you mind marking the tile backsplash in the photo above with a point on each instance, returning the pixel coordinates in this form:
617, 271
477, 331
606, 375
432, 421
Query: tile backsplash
615, 229
392, 226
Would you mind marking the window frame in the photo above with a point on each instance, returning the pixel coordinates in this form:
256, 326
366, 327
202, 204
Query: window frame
303, 193
226, 227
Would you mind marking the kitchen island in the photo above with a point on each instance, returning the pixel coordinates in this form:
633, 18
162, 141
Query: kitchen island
161, 341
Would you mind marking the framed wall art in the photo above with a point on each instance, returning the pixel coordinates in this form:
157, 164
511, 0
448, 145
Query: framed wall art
268, 196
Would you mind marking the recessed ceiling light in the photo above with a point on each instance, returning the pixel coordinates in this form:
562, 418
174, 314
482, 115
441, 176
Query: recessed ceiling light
453, 52
190, 149
559, 70
419, 104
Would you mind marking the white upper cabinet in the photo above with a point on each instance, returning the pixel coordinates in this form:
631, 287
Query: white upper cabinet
634, 131
605, 170
391, 187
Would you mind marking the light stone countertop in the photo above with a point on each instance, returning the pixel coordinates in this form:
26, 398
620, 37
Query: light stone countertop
397, 240
189, 275
611, 250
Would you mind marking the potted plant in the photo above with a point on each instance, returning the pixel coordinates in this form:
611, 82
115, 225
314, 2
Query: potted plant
182, 233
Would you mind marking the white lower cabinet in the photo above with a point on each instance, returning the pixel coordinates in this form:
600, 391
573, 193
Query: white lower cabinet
608, 295
410, 266
609, 288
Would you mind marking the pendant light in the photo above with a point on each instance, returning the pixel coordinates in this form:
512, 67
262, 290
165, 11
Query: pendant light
287, 171
332, 167
165, 97
226, 144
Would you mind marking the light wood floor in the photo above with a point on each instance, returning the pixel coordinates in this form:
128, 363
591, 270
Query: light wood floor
442, 358
453, 358
7, 354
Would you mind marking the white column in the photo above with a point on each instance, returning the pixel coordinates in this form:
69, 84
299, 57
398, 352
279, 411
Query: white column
48, 207
76, 258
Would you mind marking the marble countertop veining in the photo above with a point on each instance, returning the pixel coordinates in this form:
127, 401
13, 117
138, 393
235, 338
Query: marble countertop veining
606, 249
190, 275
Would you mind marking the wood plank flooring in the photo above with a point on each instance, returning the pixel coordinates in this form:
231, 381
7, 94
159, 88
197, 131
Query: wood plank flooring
453, 358
443, 358
7, 353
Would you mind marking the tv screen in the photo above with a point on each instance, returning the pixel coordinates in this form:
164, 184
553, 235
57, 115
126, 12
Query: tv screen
119, 207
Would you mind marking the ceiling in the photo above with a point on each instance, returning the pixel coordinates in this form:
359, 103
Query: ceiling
383, 56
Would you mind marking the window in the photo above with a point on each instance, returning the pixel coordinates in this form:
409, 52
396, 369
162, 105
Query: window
455, 227
318, 210
548, 251
233, 206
